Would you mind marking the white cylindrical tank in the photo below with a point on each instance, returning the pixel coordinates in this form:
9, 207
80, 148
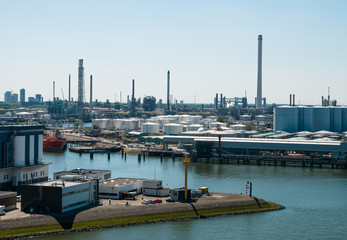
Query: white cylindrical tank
194, 127
195, 119
214, 124
150, 128
173, 128
245, 118
117, 123
238, 127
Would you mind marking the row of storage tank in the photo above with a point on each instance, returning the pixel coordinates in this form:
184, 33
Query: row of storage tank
172, 125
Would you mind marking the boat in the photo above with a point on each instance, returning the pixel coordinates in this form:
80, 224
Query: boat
54, 143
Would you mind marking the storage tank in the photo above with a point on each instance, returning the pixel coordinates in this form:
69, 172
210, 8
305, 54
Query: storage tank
260, 118
117, 123
195, 119
245, 118
194, 127
214, 124
238, 127
130, 124
173, 128
150, 128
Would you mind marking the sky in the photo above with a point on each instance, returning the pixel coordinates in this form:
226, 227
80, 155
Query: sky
209, 47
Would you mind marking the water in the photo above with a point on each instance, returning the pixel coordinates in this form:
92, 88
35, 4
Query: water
315, 199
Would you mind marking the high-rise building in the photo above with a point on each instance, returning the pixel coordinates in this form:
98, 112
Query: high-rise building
22, 95
14, 98
38, 98
7, 97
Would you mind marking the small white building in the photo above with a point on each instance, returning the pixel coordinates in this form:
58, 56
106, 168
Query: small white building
118, 188
155, 188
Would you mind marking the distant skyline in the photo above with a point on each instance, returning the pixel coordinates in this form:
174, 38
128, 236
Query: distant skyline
209, 47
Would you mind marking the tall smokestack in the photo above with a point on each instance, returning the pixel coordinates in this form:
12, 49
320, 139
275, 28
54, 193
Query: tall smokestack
69, 87
258, 103
80, 87
133, 92
53, 91
293, 99
168, 90
91, 91
290, 99
132, 103
221, 100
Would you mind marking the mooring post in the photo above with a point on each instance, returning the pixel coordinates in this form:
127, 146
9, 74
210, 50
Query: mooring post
122, 152
109, 155
125, 156
91, 156
139, 156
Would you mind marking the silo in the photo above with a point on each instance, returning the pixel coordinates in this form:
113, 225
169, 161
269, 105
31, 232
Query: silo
173, 128
336, 119
286, 119
308, 119
321, 118
344, 119
150, 128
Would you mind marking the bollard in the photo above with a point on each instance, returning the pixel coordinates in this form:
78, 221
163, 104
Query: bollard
91, 156
108, 155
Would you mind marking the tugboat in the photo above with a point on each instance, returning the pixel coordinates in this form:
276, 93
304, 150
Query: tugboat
54, 143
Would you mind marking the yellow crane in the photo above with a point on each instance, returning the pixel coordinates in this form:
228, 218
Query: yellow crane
186, 160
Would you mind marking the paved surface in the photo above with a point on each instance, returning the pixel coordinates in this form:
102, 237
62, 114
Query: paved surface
118, 209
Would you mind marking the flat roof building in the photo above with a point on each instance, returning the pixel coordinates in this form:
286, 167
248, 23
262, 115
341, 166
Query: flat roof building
58, 196
79, 174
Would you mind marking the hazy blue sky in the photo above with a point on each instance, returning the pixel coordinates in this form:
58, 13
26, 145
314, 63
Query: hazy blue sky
209, 46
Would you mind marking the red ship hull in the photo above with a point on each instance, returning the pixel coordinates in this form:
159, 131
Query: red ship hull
53, 144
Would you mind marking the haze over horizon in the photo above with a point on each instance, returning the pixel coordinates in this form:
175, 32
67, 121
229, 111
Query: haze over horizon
209, 47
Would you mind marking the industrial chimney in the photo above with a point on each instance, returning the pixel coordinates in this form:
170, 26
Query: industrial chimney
168, 90
258, 103
69, 87
91, 92
53, 91
80, 87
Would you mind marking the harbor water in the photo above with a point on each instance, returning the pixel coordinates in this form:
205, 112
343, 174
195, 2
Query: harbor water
315, 199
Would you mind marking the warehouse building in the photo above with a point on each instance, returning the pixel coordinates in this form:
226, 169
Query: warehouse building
58, 196
21, 153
